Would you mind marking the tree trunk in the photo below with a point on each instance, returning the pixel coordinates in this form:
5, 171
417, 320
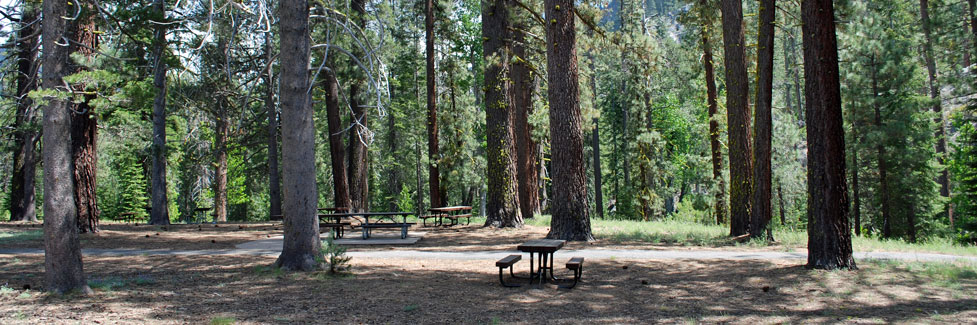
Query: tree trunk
84, 127
434, 157
336, 152
934, 84
393, 142
738, 118
358, 160
882, 159
300, 250
274, 178
220, 160
22, 198
63, 270
856, 197
780, 199
598, 190
523, 87
717, 153
828, 229
797, 80
763, 124
159, 214
571, 219
503, 199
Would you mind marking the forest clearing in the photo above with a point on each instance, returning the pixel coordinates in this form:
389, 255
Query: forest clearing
244, 289
488, 161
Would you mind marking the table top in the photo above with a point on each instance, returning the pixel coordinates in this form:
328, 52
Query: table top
350, 214
451, 208
204, 208
542, 245
334, 209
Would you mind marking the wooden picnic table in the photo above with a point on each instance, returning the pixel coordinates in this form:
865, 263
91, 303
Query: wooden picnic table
336, 209
545, 248
368, 226
197, 217
453, 213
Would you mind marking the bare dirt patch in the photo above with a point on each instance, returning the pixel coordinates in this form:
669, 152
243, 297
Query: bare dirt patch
127, 236
201, 289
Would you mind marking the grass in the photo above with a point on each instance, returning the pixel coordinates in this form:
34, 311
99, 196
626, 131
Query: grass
15, 236
688, 233
944, 274
221, 320
113, 282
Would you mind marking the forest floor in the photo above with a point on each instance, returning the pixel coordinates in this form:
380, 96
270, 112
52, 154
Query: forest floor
223, 289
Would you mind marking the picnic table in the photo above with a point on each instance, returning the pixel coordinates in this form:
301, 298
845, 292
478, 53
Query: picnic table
199, 215
368, 226
545, 249
453, 213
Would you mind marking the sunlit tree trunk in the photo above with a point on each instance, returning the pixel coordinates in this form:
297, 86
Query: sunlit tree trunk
502, 198
571, 216
84, 125
300, 250
434, 157
715, 145
63, 271
828, 228
738, 118
524, 85
358, 159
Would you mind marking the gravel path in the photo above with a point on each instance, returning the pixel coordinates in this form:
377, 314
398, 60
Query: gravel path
272, 247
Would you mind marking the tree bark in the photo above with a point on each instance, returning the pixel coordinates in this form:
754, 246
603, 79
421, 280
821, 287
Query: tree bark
716, 146
220, 160
358, 159
761, 211
274, 175
22, 183
300, 250
856, 197
524, 85
934, 84
598, 190
502, 197
738, 117
336, 152
828, 228
972, 8
881, 159
434, 157
63, 270
84, 126
159, 214
571, 219
394, 182
780, 199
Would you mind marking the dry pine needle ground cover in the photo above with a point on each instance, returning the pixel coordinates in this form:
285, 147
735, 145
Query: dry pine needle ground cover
243, 289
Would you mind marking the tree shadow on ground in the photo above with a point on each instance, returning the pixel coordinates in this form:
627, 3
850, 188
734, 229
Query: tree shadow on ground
200, 288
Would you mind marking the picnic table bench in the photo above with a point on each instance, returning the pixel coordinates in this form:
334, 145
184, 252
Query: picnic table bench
452, 213
377, 223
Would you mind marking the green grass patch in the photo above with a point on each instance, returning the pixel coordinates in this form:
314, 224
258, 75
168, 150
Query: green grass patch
944, 274
113, 282
671, 231
221, 320
15, 236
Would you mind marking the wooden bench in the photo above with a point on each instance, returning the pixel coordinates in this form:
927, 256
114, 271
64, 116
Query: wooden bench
576, 265
337, 228
367, 228
454, 218
277, 217
507, 262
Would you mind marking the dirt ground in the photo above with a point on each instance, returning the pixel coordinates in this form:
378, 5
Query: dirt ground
243, 289
459, 238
